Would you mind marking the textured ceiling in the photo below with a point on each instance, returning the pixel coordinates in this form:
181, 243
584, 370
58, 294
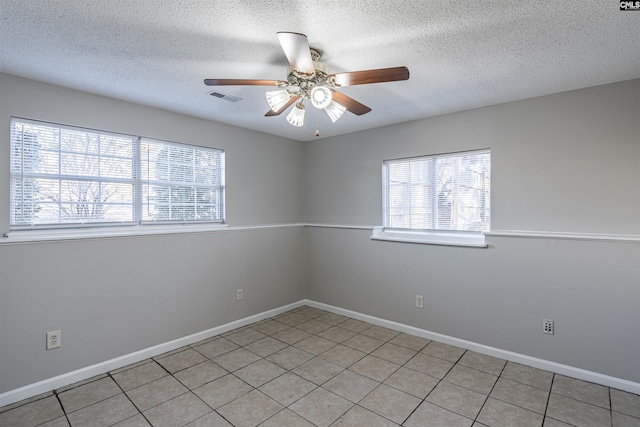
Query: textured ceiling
461, 54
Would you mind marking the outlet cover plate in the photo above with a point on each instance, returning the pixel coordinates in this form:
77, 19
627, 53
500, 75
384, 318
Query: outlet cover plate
419, 301
54, 340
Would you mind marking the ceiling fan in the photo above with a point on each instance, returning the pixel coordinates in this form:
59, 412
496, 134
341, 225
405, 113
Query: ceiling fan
309, 79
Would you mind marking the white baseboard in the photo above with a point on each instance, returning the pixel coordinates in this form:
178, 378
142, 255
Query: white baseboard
49, 384
558, 368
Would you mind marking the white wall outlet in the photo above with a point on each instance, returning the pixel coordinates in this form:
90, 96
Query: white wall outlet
54, 340
239, 294
419, 301
547, 326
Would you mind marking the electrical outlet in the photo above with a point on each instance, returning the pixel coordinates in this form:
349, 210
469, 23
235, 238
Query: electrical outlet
239, 294
54, 340
419, 301
547, 326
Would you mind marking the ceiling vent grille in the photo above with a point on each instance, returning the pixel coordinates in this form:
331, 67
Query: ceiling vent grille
224, 96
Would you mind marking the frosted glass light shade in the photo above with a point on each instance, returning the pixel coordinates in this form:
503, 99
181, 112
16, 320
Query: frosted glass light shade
296, 116
277, 99
320, 96
334, 111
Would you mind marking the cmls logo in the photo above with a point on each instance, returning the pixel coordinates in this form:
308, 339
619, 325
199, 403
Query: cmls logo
630, 5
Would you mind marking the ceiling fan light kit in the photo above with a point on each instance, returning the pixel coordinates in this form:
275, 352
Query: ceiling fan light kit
309, 79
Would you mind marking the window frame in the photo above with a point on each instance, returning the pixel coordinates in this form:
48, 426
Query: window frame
432, 236
139, 224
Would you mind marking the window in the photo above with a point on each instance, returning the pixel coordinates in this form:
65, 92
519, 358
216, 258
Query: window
447, 193
64, 176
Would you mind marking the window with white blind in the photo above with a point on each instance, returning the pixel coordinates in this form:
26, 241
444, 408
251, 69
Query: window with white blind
444, 198
70, 177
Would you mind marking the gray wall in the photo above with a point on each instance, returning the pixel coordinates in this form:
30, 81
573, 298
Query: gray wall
568, 162
111, 297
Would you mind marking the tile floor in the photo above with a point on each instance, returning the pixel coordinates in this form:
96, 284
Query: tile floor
309, 367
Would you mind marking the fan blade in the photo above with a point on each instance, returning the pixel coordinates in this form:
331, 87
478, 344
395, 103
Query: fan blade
296, 49
241, 82
350, 104
379, 75
271, 113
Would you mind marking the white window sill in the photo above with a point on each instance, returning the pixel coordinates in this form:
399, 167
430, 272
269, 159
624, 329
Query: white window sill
24, 236
430, 238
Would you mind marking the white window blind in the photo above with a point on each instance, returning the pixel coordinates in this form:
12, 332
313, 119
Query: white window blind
447, 192
63, 176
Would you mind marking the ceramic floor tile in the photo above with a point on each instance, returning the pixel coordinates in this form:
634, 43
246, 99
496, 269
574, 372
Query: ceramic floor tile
318, 370
270, 327
429, 415
444, 351
88, 394
429, 365
522, 395
394, 353
412, 382
351, 386
342, 355
625, 403
250, 410
313, 326
390, 403
321, 407
482, 362
292, 319
222, 391
457, 399
337, 334
312, 312
374, 368
496, 413
411, 342
286, 418
105, 412
287, 388
200, 374
315, 345
359, 416
212, 419
137, 420
290, 357
139, 375
577, 413
355, 325
33, 413
380, 333
216, 348
266, 346
363, 343
58, 422
528, 375
622, 420
177, 412
472, 379
156, 392
550, 422
332, 318
179, 361
259, 373
236, 359
25, 401
291, 335
583, 391
245, 337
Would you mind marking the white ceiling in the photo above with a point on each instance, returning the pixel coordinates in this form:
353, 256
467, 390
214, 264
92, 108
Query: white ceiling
461, 54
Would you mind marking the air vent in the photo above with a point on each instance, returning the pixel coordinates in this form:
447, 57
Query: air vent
224, 96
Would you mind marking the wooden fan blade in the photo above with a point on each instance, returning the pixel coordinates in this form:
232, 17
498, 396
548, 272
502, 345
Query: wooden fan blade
350, 104
271, 113
296, 49
241, 82
379, 75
